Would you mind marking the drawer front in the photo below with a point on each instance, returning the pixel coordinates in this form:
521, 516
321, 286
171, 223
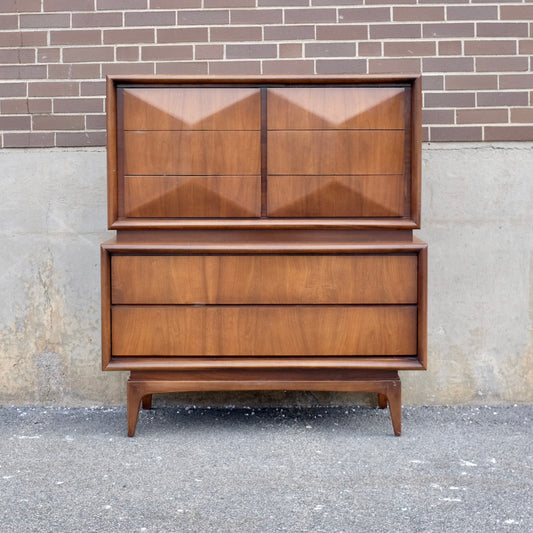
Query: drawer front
264, 279
264, 331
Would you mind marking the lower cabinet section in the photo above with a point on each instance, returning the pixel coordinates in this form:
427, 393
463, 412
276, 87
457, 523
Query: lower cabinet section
343, 319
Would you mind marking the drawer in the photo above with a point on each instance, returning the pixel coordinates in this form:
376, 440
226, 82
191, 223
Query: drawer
264, 331
192, 196
264, 279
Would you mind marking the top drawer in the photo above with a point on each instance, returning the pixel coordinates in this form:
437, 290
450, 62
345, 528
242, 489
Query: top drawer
264, 279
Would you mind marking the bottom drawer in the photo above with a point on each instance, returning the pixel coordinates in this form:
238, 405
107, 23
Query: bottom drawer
264, 330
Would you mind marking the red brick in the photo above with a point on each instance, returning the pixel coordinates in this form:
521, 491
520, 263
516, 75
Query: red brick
525, 47
103, 5
455, 133
68, 5
449, 29
15, 122
419, 13
18, 106
20, 6
282, 3
341, 66
489, 47
96, 20
154, 18
448, 64
166, 53
49, 55
365, 14
209, 51
288, 66
471, 81
60, 20
11, 22
234, 67
502, 64
92, 88
450, 48
10, 38
76, 37
343, 2
84, 138
78, 105
330, 49
75, 71
171, 4
310, 16
475, 13
95, 122
130, 36
12, 89
522, 114
29, 140
516, 12
516, 81
290, 50
395, 31
177, 35
370, 49
53, 88
202, 17
39, 105
425, 134
502, 98
432, 83
342, 32
449, 99
414, 48
382, 2
509, 133
33, 38
438, 116
184, 67
127, 68
285, 33
482, 116
89, 55
228, 3
127, 53
239, 33
256, 16
384, 66
17, 55
251, 51
502, 29
21, 72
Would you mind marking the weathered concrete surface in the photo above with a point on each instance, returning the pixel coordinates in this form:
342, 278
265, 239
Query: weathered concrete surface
330, 470
477, 207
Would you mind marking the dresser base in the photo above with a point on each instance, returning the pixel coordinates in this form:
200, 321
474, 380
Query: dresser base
141, 385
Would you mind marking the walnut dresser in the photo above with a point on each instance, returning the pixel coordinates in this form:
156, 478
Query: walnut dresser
264, 235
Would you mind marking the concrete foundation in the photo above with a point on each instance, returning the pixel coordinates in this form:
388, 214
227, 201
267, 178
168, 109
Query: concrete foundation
477, 204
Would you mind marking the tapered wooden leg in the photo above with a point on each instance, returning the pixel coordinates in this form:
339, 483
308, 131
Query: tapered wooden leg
382, 401
147, 401
135, 394
394, 396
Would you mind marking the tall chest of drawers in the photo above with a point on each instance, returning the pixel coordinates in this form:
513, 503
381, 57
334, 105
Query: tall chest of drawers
264, 235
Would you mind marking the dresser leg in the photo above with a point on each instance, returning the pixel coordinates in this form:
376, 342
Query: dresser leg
135, 394
394, 395
147, 402
382, 401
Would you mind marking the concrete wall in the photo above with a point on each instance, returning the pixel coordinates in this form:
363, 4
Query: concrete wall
477, 204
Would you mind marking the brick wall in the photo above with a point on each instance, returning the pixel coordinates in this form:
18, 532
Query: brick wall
475, 56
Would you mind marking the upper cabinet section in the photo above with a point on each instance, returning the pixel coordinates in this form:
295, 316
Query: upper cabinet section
264, 152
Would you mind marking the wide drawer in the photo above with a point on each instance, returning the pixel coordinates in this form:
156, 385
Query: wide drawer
264, 331
264, 279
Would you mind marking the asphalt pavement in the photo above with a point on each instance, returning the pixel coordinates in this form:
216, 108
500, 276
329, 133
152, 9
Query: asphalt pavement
467, 469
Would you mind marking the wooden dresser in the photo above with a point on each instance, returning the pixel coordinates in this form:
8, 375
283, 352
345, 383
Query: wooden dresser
264, 235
